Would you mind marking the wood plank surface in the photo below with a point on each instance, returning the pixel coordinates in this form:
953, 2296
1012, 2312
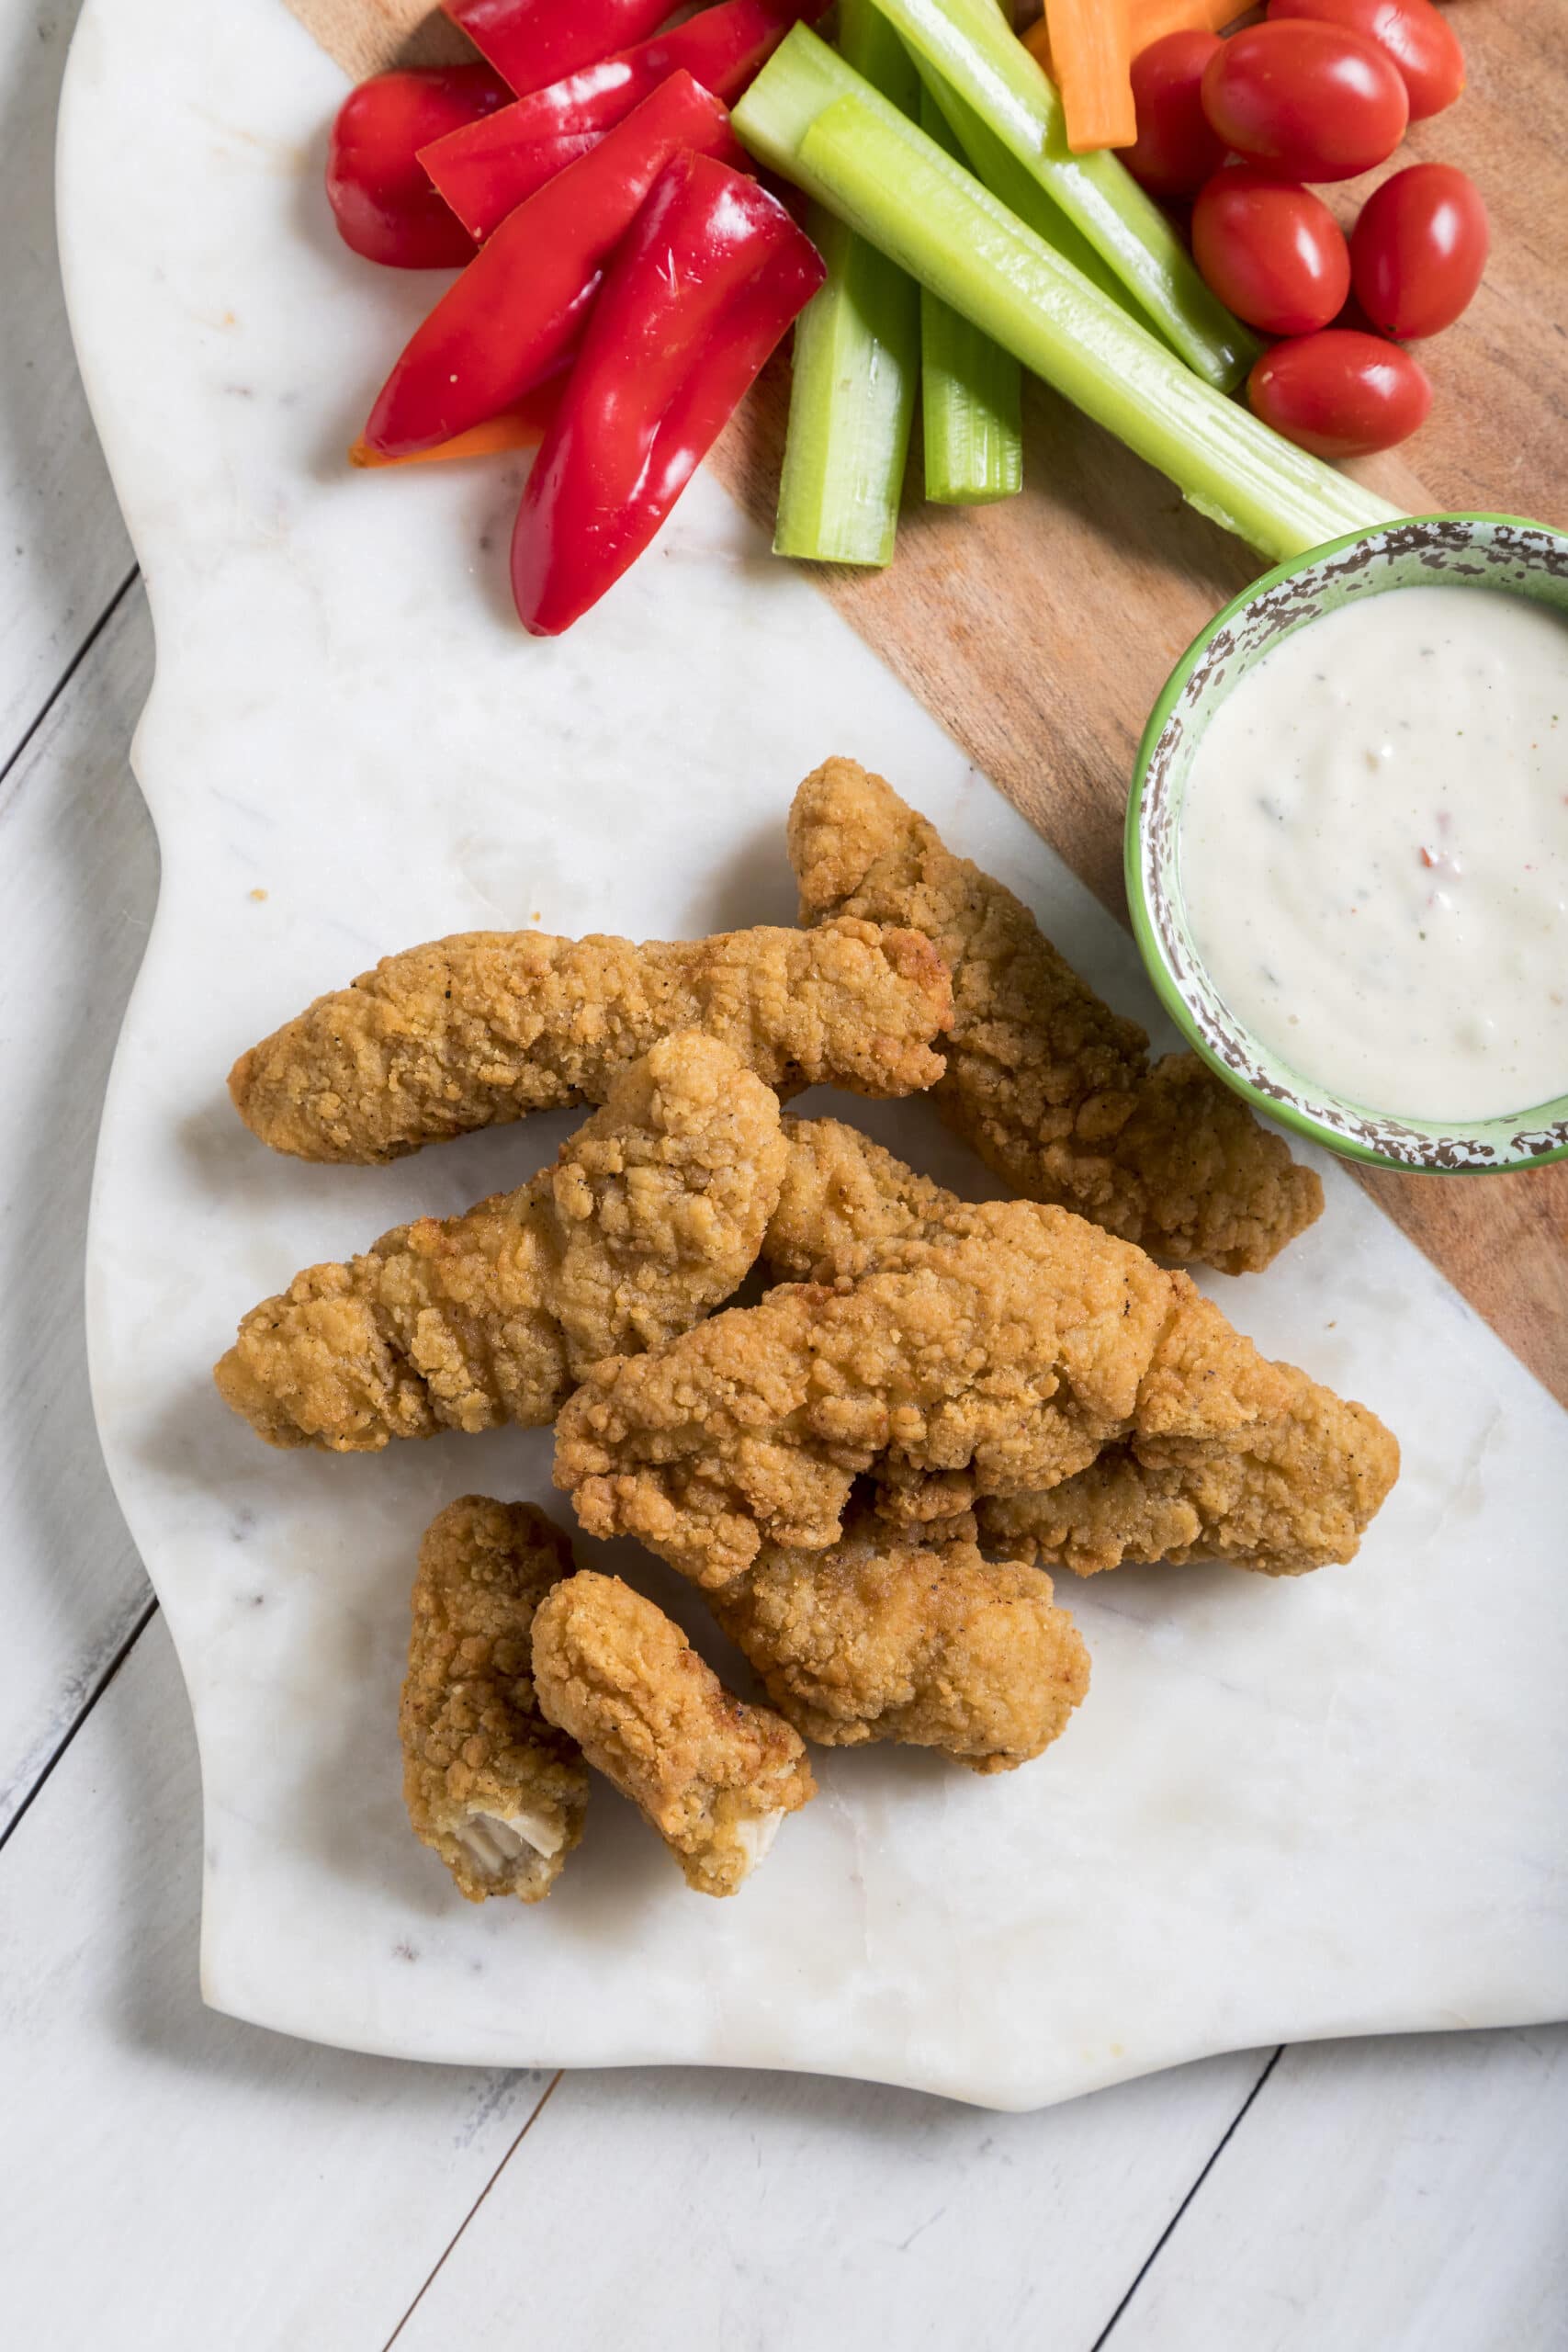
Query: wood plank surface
1286, 2246
176, 2182
64, 551
180, 2180
1039, 631
78, 878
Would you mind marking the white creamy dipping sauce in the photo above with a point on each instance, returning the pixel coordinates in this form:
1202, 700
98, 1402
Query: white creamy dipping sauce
1374, 852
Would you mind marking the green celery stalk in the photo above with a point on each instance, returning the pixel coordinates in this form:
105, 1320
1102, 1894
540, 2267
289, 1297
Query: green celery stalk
857, 348
971, 392
811, 117
998, 169
974, 50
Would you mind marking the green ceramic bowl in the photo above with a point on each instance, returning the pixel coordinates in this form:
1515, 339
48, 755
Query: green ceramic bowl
1466, 550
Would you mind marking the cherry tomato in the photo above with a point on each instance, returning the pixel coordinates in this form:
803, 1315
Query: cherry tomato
1270, 250
1340, 394
1174, 150
1423, 44
1418, 250
379, 191
1314, 102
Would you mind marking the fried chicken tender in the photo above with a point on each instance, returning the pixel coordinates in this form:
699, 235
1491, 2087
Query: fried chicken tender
996, 1359
652, 1215
1298, 1495
1053, 1090
495, 1789
930, 1646
712, 1775
480, 1029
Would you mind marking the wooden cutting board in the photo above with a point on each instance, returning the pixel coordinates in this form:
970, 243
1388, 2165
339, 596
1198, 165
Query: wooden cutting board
1039, 631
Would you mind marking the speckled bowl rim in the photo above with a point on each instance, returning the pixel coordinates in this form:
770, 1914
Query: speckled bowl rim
1528, 1139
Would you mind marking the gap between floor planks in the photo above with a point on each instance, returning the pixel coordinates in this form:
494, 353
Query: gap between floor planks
77, 663
35, 1790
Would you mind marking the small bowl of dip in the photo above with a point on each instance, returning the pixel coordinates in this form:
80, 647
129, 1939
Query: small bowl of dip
1346, 847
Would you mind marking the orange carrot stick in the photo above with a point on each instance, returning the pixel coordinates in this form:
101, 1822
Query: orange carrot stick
1149, 20
522, 427
1091, 42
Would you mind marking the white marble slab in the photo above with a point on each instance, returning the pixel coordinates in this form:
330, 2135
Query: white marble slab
1287, 1811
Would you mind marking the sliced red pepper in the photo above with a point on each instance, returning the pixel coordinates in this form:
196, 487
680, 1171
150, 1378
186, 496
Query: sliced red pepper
485, 171
518, 309
534, 42
379, 189
699, 295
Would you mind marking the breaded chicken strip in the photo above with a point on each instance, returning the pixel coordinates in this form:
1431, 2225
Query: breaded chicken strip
1295, 1494
480, 1029
497, 1791
713, 1776
1299, 1493
933, 1646
997, 1359
1053, 1088
652, 1216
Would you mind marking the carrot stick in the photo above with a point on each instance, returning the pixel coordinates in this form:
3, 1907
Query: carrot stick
1149, 20
522, 427
1091, 41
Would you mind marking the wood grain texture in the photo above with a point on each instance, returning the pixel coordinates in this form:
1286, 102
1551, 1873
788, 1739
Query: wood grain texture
78, 878
1039, 631
369, 35
1340, 2231
63, 550
174, 2179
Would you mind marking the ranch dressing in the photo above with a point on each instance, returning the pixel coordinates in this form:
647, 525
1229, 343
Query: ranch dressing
1374, 852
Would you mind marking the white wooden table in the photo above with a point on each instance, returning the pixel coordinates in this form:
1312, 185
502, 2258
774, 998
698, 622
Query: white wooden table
171, 2179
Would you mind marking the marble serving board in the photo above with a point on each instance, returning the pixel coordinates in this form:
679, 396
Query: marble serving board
1287, 1810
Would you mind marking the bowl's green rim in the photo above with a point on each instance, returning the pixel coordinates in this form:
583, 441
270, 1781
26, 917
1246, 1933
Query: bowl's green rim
1164, 984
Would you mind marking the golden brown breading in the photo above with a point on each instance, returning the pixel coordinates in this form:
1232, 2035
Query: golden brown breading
477, 1030
497, 1791
1001, 1358
652, 1216
1296, 1494
933, 1646
713, 1776
845, 1200
1051, 1087
1299, 1493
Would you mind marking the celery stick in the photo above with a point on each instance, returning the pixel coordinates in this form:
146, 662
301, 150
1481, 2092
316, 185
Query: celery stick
973, 50
971, 392
856, 359
816, 121
998, 169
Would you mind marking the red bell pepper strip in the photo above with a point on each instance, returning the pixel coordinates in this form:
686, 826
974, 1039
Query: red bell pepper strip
699, 295
518, 309
488, 169
379, 189
534, 42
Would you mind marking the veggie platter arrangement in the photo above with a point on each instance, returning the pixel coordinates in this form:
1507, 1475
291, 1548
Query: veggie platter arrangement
980, 205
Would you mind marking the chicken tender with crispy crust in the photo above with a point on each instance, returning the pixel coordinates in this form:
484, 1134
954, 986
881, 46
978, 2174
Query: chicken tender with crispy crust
1000, 1359
1298, 1495
930, 1646
478, 1030
652, 1217
1053, 1088
844, 1201
712, 1775
495, 1789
